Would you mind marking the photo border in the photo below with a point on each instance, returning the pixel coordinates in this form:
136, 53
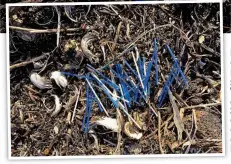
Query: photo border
115, 156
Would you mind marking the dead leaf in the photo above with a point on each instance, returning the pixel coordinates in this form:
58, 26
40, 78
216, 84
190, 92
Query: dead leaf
177, 119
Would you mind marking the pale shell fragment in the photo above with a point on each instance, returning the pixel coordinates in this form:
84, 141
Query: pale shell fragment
134, 134
109, 123
58, 106
40, 82
60, 80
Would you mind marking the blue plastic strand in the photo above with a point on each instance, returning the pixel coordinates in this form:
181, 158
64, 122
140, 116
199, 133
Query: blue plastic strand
175, 74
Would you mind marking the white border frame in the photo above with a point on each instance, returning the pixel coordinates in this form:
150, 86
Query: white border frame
115, 156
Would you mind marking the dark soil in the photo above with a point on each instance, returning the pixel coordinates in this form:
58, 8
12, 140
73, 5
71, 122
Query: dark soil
35, 133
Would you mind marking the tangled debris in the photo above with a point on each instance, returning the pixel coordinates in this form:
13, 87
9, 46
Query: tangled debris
110, 79
4, 2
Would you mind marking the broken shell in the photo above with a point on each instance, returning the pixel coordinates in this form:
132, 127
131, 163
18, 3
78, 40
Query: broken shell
131, 132
58, 106
86, 40
56, 130
108, 122
40, 82
60, 79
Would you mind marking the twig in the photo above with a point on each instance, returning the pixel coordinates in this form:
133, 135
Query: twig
77, 100
58, 27
202, 105
129, 116
227, 27
194, 119
153, 110
116, 37
143, 34
116, 58
210, 50
119, 119
159, 132
27, 62
116, 12
128, 32
137, 69
39, 31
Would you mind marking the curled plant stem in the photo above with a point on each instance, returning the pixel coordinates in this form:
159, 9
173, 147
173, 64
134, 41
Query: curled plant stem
67, 10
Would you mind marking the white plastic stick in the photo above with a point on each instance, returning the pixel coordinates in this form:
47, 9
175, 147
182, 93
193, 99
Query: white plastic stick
97, 97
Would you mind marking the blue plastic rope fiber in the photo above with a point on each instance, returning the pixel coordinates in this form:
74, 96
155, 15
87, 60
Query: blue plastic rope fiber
140, 67
155, 61
109, 81
115, 103
86, 114
123, 83
120, 77
91, 97
143, 68
135, 88
75, 75
149, 87
100, 107
131, 69
167, 85
175, 74
177, 65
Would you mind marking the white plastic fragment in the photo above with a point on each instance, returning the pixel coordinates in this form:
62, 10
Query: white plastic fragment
60, 79
108, 122
40, 82
58, 106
